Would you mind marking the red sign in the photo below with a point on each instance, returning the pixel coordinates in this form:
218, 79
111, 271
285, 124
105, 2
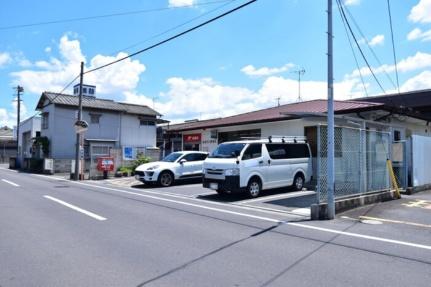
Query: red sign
105, 163
192, 138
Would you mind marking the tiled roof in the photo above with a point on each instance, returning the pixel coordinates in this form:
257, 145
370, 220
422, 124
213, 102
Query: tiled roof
95, 103
278, 113
6, 133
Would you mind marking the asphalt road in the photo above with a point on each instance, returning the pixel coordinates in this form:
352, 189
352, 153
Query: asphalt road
55, 232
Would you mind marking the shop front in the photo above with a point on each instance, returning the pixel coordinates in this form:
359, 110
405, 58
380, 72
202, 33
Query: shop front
192, 142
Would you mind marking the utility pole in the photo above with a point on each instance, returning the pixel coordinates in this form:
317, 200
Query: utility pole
278, 101
299, 72
330, 143
19, 90
78, 135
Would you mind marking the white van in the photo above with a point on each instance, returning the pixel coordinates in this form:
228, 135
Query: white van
254, 165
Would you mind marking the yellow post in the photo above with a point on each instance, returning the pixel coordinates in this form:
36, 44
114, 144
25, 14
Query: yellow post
393, 179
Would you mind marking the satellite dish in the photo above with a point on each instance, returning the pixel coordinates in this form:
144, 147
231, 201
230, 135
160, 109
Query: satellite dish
81, 126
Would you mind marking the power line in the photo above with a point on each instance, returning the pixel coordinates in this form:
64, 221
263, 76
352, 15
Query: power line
368, 45
393, 46
174, 27
358, 46
18, 26
174, 37
353, 50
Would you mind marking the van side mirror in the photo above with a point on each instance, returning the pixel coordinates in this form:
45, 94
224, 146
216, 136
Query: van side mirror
182, 161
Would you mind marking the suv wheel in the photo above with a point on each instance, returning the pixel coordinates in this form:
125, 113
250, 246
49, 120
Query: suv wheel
254, 187
166, 179
298, 182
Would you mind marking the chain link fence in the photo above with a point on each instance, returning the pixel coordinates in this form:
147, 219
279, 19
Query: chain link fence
359, 161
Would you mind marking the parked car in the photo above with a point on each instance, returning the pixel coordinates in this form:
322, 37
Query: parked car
176, 166
254, 165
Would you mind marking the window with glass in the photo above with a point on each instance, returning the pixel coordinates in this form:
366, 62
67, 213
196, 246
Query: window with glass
45, 117
252, 151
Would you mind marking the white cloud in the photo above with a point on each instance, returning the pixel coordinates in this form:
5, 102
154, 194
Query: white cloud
377, 40
54, 74
419, 61
418, 82
250, 70
5, 58
417, 34
351, 2
180, 3
421, 12
8, 118
204, 98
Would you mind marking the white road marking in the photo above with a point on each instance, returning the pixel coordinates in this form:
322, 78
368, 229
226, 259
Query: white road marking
10, 182
334, 231
88, 213
375, 238
284, 195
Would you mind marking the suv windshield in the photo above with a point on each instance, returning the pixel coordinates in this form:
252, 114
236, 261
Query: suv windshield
172, 157
227, 150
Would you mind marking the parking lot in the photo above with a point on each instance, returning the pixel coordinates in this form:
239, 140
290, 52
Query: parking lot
284, 201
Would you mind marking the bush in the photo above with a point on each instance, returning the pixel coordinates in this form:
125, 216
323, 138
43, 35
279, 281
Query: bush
140, 160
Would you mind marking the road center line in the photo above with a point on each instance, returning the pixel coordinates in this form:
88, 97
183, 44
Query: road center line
88, 213
10, 182
351, 234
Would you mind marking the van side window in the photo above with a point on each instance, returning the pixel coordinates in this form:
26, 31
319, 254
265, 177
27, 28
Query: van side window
253, 151
286, 151
277, 151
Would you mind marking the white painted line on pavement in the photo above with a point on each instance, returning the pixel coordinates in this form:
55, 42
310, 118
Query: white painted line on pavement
375, 238
10, 182
284, 195
88, 213
351, 234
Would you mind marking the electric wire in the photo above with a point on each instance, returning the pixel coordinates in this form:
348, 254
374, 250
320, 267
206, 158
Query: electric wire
353, 51
174, 27
358, 46
173, 37
369, 46
393, 46
18, 26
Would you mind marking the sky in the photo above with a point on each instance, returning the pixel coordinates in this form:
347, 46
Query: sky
245, 61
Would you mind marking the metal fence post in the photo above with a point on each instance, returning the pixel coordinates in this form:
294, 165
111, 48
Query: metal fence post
318, 164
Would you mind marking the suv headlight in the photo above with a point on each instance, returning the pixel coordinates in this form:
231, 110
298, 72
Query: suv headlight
231, 171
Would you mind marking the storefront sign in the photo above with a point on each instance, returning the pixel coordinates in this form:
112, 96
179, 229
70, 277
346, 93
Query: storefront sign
192, 138
105, 163
128, 153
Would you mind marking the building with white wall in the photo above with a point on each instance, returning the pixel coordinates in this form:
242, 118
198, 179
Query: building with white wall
111, 125
300, 119
28, 130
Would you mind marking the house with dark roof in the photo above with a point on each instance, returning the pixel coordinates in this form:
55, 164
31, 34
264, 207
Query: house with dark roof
112, 127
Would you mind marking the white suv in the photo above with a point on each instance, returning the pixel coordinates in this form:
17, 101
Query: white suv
176, 166
255, 165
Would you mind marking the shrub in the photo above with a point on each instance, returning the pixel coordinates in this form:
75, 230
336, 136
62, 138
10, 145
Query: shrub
140, 160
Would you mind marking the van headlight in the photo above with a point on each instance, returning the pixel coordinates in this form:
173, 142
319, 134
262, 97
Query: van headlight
231, 171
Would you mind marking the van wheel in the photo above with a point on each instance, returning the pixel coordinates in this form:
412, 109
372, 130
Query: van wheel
254, 187
166, 179
298, 182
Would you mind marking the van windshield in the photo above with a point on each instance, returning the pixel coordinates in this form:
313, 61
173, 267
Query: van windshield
227, 150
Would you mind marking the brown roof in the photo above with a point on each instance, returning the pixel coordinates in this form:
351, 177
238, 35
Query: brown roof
278, 113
